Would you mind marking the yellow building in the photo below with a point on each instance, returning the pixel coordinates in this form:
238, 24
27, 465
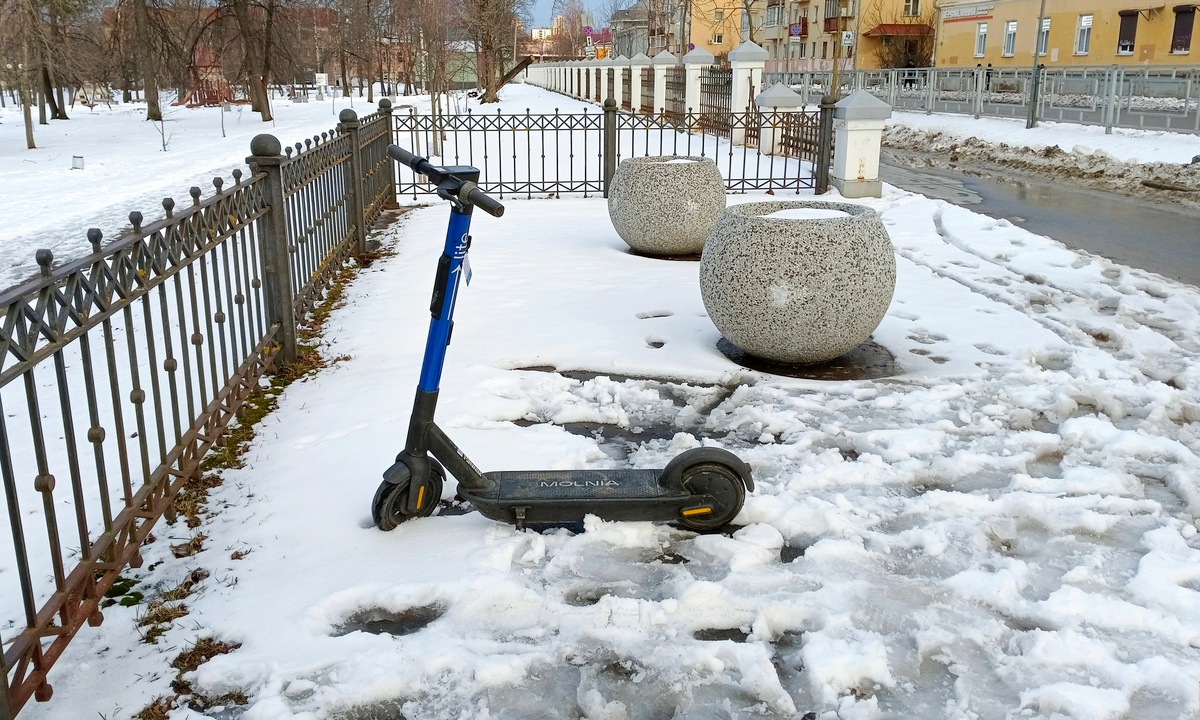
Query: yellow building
1000, 33
713, 25
806, 35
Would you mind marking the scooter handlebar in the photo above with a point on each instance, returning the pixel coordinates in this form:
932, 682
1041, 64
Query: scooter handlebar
485, 202
420, 165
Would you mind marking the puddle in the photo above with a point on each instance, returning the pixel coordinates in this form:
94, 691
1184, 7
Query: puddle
721, 634
378, 621
869, 361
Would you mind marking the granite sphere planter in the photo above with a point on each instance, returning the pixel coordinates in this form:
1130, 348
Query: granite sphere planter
665, 205
797, 291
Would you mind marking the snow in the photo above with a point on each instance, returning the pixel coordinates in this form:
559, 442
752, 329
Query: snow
1006, 527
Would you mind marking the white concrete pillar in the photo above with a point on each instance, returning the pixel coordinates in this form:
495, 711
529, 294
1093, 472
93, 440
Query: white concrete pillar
775, 103
747, 61
694, 62
661, 62
620, 62
858, 122
636, 63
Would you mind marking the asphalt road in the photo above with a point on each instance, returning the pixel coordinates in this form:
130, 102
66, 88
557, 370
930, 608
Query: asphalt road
1161, 239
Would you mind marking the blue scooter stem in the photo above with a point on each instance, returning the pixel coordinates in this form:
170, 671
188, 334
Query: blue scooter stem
450, 269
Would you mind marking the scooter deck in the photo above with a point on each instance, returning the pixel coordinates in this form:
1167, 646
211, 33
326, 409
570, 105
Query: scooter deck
548, 496
516, 485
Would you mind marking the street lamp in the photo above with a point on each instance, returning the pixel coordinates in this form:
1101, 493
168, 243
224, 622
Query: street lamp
1035, 80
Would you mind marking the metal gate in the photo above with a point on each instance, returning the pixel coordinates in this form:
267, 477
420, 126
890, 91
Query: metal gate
716, 88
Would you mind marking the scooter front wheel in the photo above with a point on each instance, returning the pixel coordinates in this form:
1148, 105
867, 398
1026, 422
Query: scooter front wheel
720, 482
387, 508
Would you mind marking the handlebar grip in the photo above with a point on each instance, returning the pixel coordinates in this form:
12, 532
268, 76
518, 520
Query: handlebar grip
401, 155
485, 202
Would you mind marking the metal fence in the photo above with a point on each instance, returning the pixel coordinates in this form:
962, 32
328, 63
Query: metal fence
676, 86
626, 89
121, 369
528, 155
647, 101
716, 89
1149, 97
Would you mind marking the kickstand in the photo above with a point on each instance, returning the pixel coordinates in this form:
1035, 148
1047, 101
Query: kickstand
520, 513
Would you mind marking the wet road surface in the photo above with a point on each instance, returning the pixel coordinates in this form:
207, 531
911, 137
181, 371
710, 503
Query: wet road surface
1161, 239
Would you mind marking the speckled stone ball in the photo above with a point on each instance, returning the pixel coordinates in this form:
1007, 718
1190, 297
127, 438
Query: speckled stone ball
665, 205
797, 291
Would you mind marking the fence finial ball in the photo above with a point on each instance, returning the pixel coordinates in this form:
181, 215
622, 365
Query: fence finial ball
44, 258
347, 116
265, 145
385, 104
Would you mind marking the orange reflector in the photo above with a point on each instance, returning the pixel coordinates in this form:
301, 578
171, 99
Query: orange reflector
420, 497
697, 511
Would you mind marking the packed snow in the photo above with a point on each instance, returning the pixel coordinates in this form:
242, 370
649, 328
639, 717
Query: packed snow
1004, 527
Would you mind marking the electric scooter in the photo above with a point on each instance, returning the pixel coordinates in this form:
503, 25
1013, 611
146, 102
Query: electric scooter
701, 489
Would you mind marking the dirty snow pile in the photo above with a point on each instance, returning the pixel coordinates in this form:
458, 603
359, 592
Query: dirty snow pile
1006, 526
1153, 164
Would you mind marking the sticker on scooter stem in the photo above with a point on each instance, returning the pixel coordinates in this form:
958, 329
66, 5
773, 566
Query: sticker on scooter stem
467, 269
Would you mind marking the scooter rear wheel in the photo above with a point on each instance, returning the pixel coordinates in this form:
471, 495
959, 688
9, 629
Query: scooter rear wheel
722, 483
387, 508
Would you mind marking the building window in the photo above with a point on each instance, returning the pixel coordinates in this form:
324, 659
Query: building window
1043, 37
825, 50
802, 48
1083, 35
831, 8
1181, 38
1010, 38
718, 16
717, 39
980, 39
1128, 32
774, 15
912, 8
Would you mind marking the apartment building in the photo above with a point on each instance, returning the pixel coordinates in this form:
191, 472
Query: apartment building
1001, 33
654, 26
803, 35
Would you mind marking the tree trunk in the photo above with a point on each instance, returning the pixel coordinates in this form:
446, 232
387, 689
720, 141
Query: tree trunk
254, 61
26, 100
146, 65
57, 112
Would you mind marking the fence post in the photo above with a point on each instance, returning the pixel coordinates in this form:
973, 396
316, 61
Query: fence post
661, 62
776, 104
858, 120
348, 124
610, 141
694, 63
620, 62
979, 89
636, 63
266, 157
748, 61
931, 96
824, 145
1111, 79
385, 109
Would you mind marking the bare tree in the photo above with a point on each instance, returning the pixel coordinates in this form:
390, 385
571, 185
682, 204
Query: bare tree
910, 42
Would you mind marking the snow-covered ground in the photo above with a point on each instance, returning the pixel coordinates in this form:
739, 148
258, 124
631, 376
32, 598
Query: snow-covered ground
1007, 527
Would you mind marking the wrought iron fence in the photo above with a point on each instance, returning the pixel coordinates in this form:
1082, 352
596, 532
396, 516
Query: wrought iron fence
716, 89
1145, 97
529, 155
121, 369
647, 102
676, 86
626, 89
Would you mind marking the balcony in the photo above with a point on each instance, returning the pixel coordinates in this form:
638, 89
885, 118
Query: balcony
832, 24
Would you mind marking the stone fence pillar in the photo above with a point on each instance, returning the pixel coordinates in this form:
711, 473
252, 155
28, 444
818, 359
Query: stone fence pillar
748, 61
636, 63
661, 62
858, 122
694, 62
776, 104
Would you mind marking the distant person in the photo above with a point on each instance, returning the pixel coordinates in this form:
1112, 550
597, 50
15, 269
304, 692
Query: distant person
910, 75
987, 78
